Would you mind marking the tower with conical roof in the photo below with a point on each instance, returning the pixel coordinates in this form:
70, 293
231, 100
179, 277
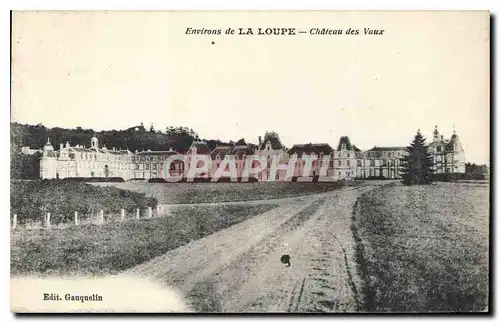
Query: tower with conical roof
94, 142
48, 161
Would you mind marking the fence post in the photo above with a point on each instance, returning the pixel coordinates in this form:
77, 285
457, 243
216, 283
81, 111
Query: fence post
14, 221
122, 215
150, 212
47, 219
138, 214
76, 218
102, 217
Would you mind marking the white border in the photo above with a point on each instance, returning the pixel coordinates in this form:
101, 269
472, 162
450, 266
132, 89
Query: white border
492, 5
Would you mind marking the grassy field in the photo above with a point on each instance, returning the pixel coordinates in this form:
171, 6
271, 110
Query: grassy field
425, 248
31, 200
113, 247
186, 193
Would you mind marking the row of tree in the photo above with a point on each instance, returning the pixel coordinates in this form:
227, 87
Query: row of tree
133, 138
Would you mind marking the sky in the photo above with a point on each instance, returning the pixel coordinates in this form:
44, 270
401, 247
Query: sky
114, 70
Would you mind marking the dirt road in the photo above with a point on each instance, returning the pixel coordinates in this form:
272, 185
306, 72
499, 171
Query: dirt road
238, 269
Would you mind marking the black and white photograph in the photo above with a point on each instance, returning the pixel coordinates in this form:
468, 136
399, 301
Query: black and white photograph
199, 162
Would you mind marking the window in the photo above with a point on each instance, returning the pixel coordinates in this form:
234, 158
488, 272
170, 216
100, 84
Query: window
371, 162
277, 177
340, 163
348, 155
359, 163
348, 163
331, 163
259, 176
343, 146
439, 149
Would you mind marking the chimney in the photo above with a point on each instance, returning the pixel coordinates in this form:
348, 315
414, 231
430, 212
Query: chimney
260, 141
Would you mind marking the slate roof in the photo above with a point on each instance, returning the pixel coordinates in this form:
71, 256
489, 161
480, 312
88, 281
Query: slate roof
345, 140
201, 147
238, 150
274, 139
387, 148
157, 152
310, 148
50, 153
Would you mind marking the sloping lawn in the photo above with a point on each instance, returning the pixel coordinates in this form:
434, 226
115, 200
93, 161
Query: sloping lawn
113, 247
187, 193
425, 248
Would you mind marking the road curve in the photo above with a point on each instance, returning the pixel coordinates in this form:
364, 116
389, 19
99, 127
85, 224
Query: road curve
238, 269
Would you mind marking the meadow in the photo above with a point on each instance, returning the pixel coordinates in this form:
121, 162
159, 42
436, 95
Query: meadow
31, 200
423, 248
112, 247
187, 193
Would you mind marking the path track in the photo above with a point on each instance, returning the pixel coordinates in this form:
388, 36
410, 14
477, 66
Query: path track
238, 269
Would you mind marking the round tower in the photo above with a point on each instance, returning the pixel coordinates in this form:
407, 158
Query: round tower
48, 161
94, 142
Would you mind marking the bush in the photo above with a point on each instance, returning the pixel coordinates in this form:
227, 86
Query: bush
31, 200
157, 180
450, 177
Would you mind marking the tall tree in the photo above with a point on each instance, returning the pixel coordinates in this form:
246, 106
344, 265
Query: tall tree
417, 165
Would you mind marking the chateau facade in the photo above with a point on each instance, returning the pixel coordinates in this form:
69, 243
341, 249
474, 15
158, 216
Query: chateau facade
346, 162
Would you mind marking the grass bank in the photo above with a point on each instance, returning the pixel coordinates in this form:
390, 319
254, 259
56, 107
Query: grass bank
187, 193
113, 247
31, 200
425, 248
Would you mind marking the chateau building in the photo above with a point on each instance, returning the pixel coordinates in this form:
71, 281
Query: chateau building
449, 155
347, 162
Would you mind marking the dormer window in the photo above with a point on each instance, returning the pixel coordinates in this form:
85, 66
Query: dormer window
268, 146
343, 147
217, 157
